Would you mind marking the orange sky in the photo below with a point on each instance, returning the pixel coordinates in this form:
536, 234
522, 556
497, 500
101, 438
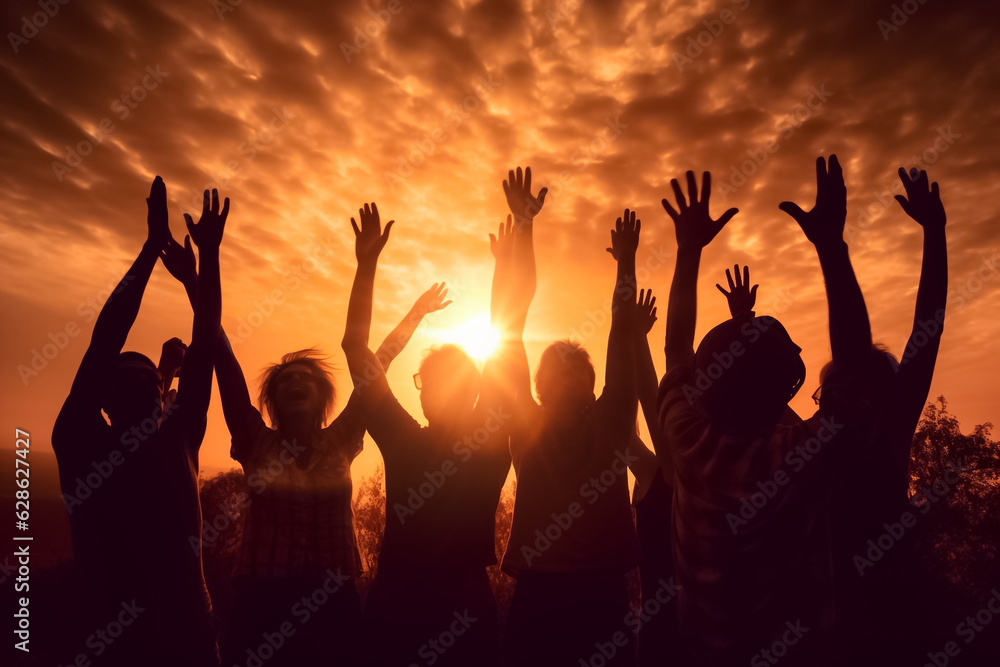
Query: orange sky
299, 117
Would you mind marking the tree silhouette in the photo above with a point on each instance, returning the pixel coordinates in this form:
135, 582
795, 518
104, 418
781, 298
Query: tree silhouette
369, 525
962, 536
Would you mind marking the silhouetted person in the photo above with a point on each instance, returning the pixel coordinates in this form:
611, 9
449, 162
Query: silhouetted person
572, 537
431, 600
131, 533
880, 604
295, 599
750, 540
652, 501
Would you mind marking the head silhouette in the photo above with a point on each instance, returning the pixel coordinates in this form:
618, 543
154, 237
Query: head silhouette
565, 379
752, 369
298, 389
135, 392
449, 383
880, 371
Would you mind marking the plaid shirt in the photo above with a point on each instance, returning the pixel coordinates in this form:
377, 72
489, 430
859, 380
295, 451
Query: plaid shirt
738, 570
300, 520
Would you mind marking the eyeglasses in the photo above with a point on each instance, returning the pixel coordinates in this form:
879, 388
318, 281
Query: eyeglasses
816, 394
417, 381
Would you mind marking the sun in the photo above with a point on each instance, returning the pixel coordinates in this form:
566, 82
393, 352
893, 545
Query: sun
477, 336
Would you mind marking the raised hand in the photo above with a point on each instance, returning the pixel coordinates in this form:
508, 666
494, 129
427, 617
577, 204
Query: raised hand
156, 215
921, 203
693, 225
522, 203
369, 239
171, 358
741, 296
645, 312
502, 245
180, 261
823, 224
625, 236
207, 233
432, 300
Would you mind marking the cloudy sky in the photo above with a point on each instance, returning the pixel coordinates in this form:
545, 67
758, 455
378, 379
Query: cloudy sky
300, 112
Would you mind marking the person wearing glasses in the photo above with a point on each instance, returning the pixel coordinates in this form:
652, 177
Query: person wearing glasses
750, 536
431, 601
877, 605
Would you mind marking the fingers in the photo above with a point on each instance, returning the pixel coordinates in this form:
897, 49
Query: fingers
706, 186
726, 217
836, 172
527, 180
681, 203
729, 279
692, 188
354, 224
746, 274
935, 191
793, 209
205, 204
541, 196
724, 292
225, 209
753, 293
187, 244
904, 204
520, 179
385, 234
215, 201
190, 223
670, 210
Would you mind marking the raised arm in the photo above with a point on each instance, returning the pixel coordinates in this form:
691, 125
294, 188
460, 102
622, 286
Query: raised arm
916, 368
366, 371
850, 330
237, 406
694, 229
524, 207
429, 302
620, 373
194, 389
646, 386
114, 322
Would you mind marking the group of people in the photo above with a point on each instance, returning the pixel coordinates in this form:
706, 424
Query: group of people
745, 520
